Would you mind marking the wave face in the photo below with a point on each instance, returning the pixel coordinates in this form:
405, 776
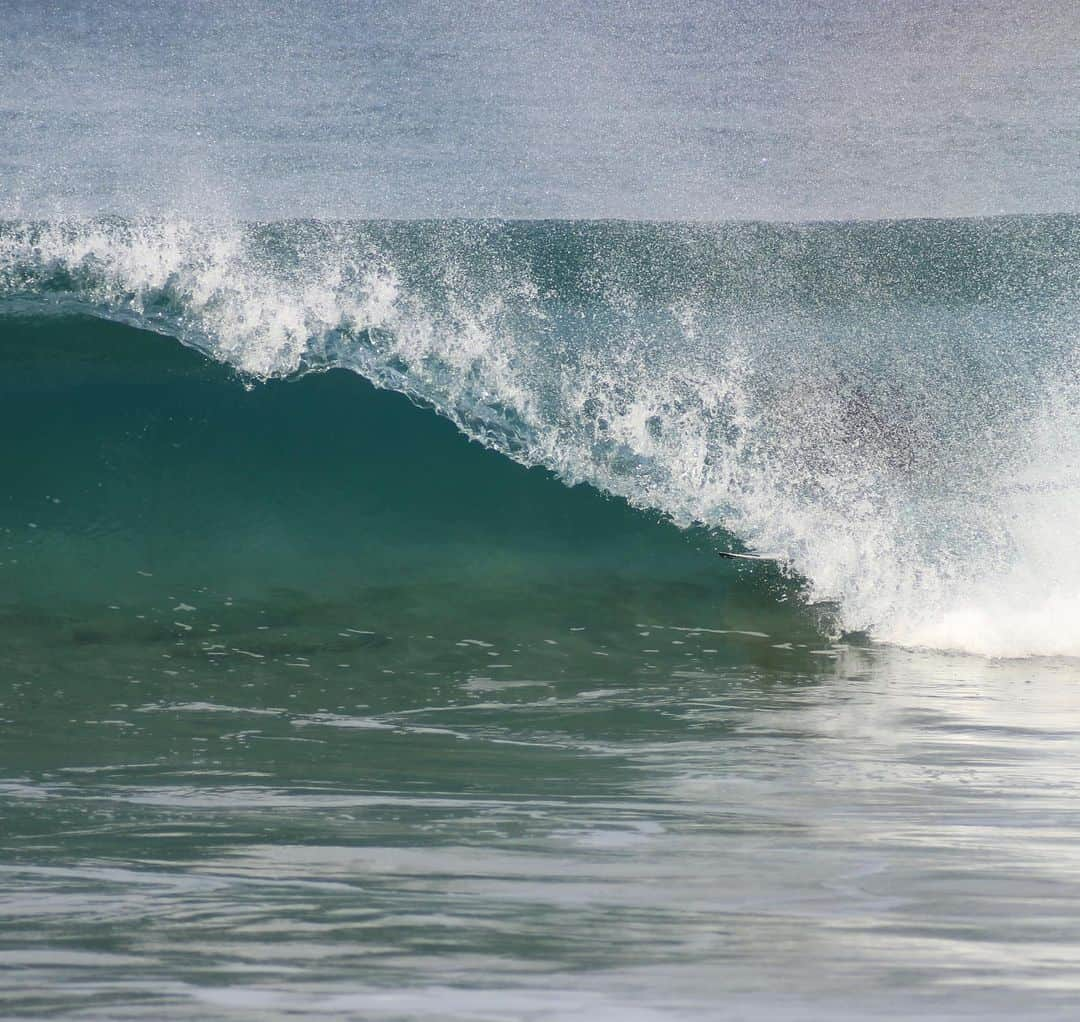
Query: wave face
891, 409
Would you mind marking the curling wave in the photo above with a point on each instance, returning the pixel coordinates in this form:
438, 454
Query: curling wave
891, 409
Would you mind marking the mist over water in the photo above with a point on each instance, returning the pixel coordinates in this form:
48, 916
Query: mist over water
380, 384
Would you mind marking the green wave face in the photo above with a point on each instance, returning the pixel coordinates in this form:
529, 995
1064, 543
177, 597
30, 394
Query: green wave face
155, 478
889, 410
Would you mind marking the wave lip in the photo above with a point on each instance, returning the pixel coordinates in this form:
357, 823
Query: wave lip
892, 408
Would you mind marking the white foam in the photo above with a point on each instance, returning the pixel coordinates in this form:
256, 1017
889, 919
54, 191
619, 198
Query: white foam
968, 543
1029, 603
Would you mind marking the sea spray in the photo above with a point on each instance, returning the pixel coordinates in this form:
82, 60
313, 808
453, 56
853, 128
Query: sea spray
888, 408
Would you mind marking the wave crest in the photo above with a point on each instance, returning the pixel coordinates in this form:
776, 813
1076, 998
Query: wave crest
891, 409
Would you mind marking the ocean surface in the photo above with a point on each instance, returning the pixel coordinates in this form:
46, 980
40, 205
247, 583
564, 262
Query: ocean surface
383, 391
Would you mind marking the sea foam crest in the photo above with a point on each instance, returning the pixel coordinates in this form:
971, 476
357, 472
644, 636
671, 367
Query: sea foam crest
200, 282
915, 460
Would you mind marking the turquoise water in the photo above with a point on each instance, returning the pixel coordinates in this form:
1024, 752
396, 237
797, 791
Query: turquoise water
369, 653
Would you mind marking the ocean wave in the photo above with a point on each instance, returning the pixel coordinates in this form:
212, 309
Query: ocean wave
891, 410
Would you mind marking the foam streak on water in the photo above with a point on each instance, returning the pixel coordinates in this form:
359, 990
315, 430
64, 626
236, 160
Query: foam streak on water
891, 408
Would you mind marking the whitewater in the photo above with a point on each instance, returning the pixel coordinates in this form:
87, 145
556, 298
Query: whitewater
889, 410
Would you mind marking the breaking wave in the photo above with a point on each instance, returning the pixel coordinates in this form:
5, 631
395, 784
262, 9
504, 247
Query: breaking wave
892, 410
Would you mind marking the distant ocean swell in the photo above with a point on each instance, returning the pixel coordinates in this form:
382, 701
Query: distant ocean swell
891, 409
